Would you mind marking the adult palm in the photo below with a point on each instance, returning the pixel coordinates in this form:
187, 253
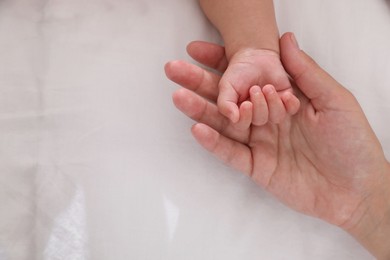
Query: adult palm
325, 161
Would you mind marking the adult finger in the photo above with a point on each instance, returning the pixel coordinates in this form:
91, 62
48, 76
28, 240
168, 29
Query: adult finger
194, 78
198, 109
201, 110
232, 153
209, 54
310, 78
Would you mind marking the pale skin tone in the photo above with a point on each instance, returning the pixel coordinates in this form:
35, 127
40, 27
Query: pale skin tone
324, 161
251, 38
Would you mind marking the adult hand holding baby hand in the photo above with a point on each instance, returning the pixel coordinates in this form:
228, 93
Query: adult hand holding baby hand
324, 161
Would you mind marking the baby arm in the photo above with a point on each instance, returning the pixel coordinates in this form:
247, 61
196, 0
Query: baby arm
251, 38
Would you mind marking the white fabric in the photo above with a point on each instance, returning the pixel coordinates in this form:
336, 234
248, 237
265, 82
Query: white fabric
95, 161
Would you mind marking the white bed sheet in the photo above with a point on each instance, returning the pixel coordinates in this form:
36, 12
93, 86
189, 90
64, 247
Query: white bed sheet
95, 161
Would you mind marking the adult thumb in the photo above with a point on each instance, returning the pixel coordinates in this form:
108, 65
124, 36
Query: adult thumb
310, 78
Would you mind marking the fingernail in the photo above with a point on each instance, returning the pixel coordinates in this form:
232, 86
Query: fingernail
255, 90
269, 89
294, 40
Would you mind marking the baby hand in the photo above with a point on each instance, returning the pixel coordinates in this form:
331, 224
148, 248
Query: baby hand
258, 68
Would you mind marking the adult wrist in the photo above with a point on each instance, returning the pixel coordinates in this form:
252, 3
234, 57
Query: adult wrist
372, 229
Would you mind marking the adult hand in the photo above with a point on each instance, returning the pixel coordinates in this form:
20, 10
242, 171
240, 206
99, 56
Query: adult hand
325, 161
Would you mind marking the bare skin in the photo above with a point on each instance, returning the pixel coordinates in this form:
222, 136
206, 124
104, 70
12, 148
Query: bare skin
324, 161
251, 38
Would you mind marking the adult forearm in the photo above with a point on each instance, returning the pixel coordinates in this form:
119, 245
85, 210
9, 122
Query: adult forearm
244, 24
